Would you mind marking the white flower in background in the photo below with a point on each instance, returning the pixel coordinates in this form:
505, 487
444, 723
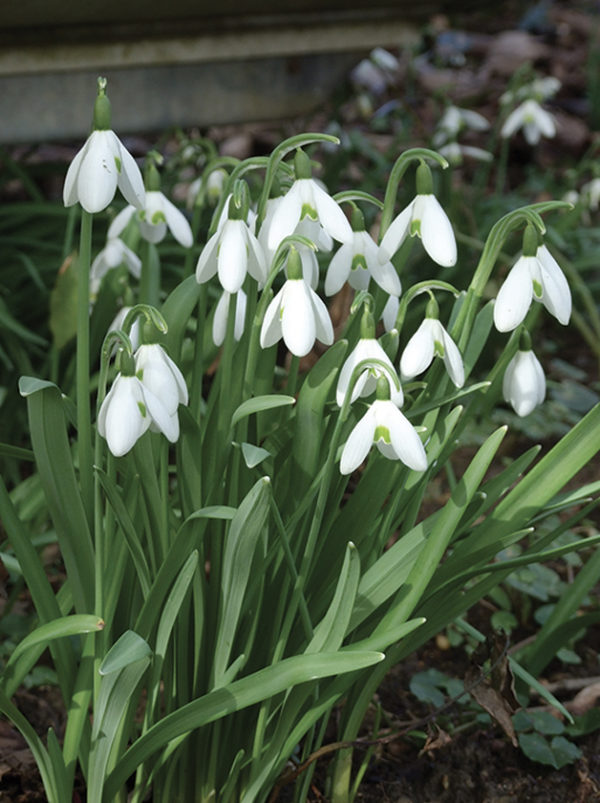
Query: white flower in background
114, 253
454, 153
377, 72
539, 89
537, 278
306, 198
366, 349
425, 218
157, 215
429, 340
134, 333
535, 122
590, 192
385, 426
389, 315
164, 381
524, 384
219, 328
356, 262
211, 187
297, 314
232, 252
454, 120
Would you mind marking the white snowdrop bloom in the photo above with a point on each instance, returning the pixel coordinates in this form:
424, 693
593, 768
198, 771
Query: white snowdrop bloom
454, 153
356, 262
385, 426
127, 411
297, 314
535, 122
425, 218
224, 216
307, 228
159, 214
366, 349
454, 120
162, 378
232, 252
306, 198
430, 339
590, 192
390, 313
219, 327
524, 384
114, 253
537, 278
135, 331
102, 165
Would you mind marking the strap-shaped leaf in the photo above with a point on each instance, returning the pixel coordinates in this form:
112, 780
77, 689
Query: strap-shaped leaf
259, 404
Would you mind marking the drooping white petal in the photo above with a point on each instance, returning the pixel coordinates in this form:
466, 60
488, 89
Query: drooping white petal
97, 176
331, 217
232, 258
119, 224
298, 326
162, 419
206, 266
286, 216
556, 295
70, 192
512, 122
310, 266
257, 262
453, 359
339, 269
323, 325
524, 384
152, 220
405, 440
359, 442
384, 273
219, 329
177, 222
122, 418
130, 179
390, 313
396, 234
515, 295
436, 232
270, 331
366, 349
419, 351
161, 376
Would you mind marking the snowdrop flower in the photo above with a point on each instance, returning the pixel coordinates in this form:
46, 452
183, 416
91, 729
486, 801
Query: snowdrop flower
424, 217
429, 340
296, 313
124, 416
390, 313
357, 261
590, 192
114, 253
102, 165
454, 153
367, 348
219, 328
163, 381
535, 276
385, 426
311, 229
232, 252
135, 334
307, 198
454, 120
524, 384
535, 122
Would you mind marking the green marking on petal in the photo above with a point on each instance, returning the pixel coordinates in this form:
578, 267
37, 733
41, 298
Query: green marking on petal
537, 288
158, 217
358, 262
118, 164
382, 434
439, 348
415, 228
140, 374
308, 211
142, 407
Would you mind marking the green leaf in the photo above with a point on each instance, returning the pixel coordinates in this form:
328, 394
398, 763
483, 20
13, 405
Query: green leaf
258, 404
63, 303
58, 628
536, 748
254, 455
128, 649
564, 751
31, 384
425, 686
177, 311
546, 723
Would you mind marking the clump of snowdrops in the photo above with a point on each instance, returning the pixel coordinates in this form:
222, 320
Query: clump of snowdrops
241, 530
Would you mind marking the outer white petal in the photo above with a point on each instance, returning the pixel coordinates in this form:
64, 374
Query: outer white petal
396, 233
405, 440
515, 295
156, 375
419, 351
531, 132
453, 359
120, 222
366, 349
257, 262
286, 216
219, 327
339, 269
436, 232
270, 331
331, 217
70, 194
298, 324
513, 122
323, 325
390, 313
556, 295
97, 176
383, 273
359, 442
130, 178
120, 420
153, 224
310, 266
524, 384
162, 418
177, 222
545, 122
206, 267
232, 258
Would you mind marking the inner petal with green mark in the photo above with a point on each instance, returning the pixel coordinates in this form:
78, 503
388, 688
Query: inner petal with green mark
308, 211
118, 163
382, 433
142, 407
537, 288
358, 262
158, 217
415, 228
439, 348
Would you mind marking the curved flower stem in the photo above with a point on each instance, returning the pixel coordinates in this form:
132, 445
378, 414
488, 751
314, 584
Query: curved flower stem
150, 280
84, 424
415, 290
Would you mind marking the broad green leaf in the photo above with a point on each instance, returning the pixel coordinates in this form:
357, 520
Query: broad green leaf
31, 384
8, 450
536, 748
261, 685
258, 404
177, 311
128, 649
213, 512
331, 630
59, 628
254, 455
